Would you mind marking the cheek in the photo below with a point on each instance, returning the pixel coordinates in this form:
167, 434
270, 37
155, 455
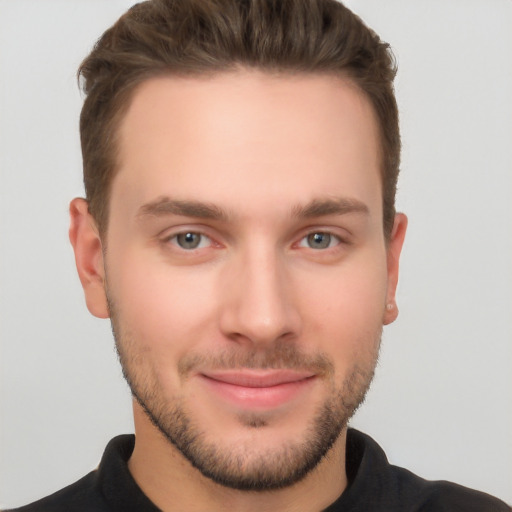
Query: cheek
345, 311
165, 310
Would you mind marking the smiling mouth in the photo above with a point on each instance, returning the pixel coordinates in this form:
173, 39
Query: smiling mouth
258, 389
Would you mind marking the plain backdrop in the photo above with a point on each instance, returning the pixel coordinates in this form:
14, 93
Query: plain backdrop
441, 403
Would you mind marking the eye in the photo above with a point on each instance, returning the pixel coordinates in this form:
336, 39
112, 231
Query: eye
190, 240
319, 240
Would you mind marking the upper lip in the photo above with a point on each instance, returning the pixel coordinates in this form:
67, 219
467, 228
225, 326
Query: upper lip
257, 378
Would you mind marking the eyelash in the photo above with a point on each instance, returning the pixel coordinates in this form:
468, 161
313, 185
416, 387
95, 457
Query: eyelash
173, 239
303, 242
318, 236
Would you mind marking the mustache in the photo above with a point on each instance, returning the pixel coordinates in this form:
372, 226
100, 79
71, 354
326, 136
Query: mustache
280, 355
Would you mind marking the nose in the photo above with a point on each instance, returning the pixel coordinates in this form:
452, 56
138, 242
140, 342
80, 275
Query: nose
258, 302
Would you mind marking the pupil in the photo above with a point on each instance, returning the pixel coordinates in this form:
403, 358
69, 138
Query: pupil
188, 240
319, 240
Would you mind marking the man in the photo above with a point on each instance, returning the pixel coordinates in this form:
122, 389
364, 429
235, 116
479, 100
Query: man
240, 163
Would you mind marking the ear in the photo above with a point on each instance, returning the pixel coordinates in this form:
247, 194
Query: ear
393, 257
86, 242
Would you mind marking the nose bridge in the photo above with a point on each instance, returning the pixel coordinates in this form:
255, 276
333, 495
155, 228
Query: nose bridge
259, 304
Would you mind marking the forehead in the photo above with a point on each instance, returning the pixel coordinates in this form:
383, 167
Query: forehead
271, 138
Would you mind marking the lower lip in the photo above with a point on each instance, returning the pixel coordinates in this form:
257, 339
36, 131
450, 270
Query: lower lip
258, 398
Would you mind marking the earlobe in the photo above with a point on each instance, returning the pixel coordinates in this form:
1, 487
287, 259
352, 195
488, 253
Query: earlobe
393, 259
86, 242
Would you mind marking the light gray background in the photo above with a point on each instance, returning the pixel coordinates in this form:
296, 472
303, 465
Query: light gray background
441, 402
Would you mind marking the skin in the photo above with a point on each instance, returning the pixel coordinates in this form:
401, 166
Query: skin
268, 152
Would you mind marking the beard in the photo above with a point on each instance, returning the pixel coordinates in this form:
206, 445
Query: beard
239, 465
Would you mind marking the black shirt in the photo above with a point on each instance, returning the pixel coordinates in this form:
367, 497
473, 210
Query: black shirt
374, 486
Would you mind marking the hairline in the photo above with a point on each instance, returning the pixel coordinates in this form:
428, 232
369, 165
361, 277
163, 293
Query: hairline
126, 95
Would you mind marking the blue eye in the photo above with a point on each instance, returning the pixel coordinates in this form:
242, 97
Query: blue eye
319, 240
190, 240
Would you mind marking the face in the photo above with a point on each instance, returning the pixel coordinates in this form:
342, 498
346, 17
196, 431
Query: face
245, 269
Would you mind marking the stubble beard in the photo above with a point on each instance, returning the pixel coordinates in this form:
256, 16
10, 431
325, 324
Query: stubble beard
240, 466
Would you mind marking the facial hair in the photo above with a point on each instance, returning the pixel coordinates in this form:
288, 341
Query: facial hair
240, 466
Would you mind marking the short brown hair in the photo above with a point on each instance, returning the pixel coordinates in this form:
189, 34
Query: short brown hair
194, 37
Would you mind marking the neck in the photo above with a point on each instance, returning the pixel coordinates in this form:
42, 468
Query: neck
169, 480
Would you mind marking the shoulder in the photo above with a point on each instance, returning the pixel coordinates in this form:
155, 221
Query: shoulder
441, 496
110, 487
77, 497
380, 485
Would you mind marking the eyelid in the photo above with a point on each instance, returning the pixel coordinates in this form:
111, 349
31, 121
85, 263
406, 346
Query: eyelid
343, 235
174, 240
166, 236
303, 242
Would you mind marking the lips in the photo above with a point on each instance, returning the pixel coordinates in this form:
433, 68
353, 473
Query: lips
257, 389
258, 378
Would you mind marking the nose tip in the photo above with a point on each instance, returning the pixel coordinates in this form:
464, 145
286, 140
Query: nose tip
260, 320
261, 329
259, 307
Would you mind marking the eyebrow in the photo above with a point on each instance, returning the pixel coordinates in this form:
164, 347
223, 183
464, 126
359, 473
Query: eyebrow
166, 206
330, 206
316, 208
